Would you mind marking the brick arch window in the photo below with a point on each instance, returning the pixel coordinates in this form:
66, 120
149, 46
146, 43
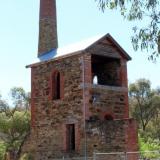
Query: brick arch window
56, 85
108, 117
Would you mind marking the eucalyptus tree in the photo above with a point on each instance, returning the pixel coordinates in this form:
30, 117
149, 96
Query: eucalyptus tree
144, 102
14, 120
147, 13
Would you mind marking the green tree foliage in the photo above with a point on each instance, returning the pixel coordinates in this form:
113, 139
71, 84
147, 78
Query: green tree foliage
14, 120
145, 108
20, 98
149, 145
27, 156
2, 150
145, 103
146, 37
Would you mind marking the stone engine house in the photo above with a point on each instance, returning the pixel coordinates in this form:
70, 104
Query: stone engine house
79, 96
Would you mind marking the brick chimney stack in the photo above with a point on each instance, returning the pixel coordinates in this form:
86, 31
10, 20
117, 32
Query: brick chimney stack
47, 27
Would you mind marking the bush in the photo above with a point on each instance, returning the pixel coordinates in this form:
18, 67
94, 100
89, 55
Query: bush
149, 145
2, 150
27, 156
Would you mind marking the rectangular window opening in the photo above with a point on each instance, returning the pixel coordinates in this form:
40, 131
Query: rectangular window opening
105, 70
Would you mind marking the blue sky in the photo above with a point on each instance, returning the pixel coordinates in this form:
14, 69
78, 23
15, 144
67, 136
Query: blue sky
77, 20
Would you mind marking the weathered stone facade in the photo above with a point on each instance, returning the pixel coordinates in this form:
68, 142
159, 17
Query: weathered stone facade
71, 115
83, 104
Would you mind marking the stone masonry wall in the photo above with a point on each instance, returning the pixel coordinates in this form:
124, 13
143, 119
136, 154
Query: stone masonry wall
108, 100
49, 117
79, 101
112, 136
106, 48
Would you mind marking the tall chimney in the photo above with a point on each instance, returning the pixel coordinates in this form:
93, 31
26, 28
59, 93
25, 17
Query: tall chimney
47, 27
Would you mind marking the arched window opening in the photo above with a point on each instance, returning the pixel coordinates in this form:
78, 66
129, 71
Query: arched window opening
56, 94
95, 79
108, 117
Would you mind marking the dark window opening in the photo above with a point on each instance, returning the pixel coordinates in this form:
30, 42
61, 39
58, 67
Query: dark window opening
105, 71
71, 137
93, 118
56, 86
108, 117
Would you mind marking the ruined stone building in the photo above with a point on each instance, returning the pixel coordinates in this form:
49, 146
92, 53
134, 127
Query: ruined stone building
79, 96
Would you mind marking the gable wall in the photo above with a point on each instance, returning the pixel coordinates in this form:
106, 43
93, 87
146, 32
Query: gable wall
106, 48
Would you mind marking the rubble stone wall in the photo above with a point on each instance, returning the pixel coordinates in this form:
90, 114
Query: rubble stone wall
47, 140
